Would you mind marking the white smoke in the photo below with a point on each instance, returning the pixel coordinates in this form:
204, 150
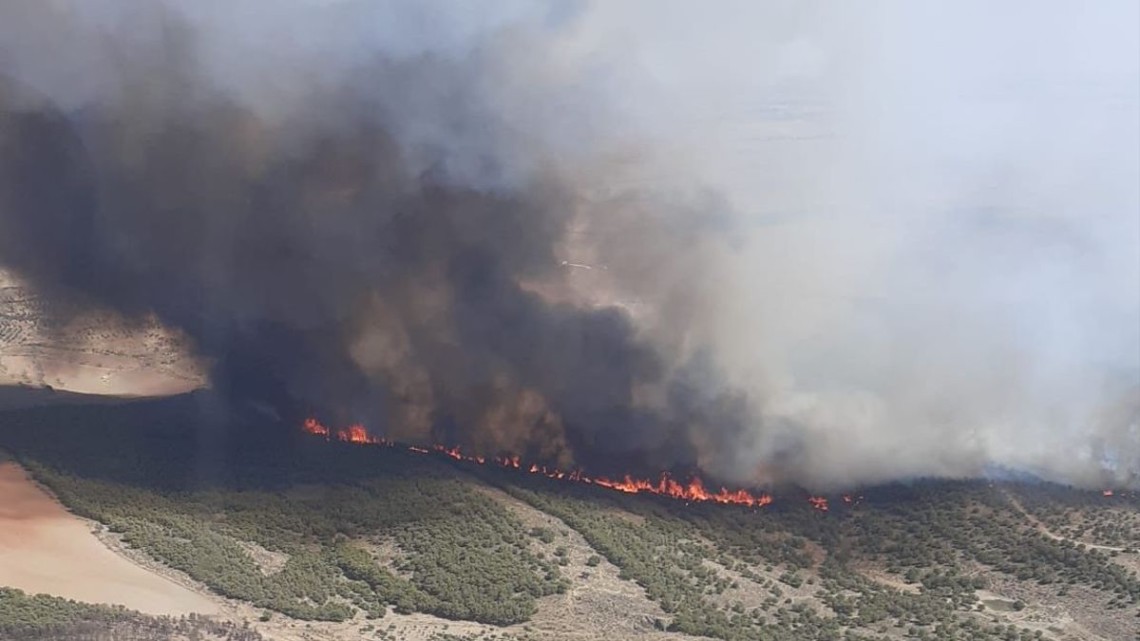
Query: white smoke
940, 263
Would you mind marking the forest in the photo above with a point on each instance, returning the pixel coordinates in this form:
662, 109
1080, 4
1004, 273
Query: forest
327, 531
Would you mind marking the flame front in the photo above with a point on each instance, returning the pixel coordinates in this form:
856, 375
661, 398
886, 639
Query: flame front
818, 502
351, 434
692, 492
312, 426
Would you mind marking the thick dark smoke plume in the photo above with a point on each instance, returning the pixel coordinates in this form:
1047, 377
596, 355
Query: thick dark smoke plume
774, 241
321, 261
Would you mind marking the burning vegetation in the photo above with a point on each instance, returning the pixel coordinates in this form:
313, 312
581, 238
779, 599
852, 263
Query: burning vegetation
693, 491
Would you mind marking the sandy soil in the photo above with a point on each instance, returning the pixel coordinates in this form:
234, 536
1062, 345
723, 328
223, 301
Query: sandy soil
95, 352
112, 375
45, 549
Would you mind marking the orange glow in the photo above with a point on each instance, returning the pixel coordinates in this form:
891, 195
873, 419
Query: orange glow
818, 502
356, 433
692, 492
312, 426
1107, 492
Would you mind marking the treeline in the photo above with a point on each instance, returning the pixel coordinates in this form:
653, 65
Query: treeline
368, 529
948, 524
1086, 516
666, 554
462, 556
146, 471
25, 617
801, 557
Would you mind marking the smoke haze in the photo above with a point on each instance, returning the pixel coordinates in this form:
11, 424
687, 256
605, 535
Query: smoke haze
799, 242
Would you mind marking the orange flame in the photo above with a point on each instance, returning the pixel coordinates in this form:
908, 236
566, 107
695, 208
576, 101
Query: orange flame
312, 426
692, 492
818, 502
1107, 492
354, 434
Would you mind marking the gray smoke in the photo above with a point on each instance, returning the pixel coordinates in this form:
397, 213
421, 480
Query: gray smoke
939, 215
370, 236
783, 243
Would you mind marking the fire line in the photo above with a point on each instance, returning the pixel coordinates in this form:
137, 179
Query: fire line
692, 492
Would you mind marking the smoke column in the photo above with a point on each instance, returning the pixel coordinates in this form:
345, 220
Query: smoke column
797, 242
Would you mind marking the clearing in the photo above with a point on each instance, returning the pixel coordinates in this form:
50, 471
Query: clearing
46, 549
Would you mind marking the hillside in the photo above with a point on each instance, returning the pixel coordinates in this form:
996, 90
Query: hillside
306, 539
47, 341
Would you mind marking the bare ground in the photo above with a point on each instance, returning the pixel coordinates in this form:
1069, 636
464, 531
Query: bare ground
94, 352
1079, 615
268, 561
46, 549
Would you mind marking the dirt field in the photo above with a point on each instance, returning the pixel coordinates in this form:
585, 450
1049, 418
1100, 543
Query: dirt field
45, 549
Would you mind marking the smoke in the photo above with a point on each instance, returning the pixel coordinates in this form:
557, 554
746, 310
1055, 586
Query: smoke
796, 242
940, 229
372, 235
